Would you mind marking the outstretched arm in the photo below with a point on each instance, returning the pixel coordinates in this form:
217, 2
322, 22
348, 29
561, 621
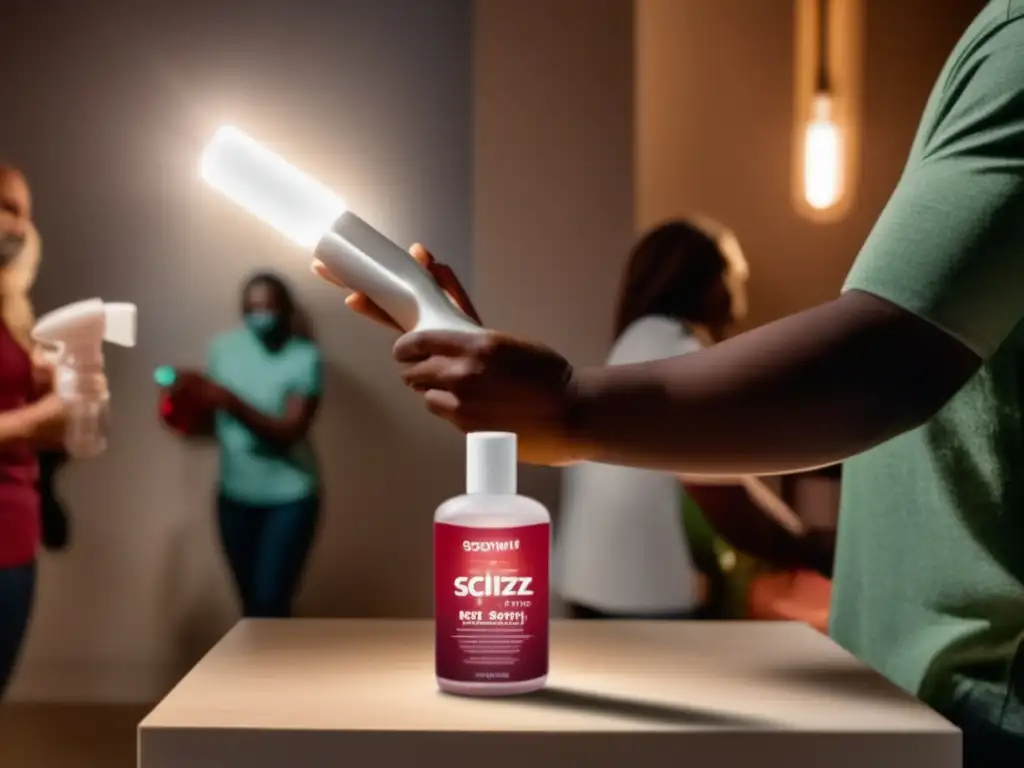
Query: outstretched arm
805, 391
802, 392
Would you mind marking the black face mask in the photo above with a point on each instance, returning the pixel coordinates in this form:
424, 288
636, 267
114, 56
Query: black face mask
11, 247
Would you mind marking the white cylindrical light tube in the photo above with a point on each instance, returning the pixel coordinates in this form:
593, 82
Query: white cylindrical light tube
296, 205
317, 220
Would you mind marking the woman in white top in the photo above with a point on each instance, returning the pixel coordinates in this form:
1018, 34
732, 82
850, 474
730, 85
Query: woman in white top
621, 550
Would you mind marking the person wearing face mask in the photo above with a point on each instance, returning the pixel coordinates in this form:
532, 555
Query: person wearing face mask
263, 382
31, 418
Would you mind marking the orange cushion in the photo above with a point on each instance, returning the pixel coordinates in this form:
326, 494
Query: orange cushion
791, 596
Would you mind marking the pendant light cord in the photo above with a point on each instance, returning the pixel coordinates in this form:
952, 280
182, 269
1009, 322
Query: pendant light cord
824, 84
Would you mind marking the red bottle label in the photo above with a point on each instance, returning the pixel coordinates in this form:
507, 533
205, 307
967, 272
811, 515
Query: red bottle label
491, 602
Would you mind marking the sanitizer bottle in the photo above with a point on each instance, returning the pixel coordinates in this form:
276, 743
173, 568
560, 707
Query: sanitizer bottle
492, 553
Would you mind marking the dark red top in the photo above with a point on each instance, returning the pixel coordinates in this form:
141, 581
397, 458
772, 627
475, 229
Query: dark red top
19, 467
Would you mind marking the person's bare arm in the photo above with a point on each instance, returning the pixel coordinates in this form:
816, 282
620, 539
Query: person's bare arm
17, 425
745, 525
291, 426
40, 424
803, 392
809, 390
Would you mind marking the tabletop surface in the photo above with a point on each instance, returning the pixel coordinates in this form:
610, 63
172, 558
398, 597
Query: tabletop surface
608, 676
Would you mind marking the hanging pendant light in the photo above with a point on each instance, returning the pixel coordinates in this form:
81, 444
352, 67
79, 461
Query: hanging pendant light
823, 139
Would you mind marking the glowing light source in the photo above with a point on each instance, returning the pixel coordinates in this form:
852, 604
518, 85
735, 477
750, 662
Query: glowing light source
823, 155
312, 216
250, 175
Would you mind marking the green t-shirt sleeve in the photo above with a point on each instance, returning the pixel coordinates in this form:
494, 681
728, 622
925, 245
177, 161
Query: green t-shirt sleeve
949, 245
310, 374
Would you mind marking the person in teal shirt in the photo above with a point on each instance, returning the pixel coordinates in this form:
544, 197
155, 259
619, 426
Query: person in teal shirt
264, 382
915, 373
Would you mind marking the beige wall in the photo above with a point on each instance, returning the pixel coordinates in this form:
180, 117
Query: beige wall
714, 124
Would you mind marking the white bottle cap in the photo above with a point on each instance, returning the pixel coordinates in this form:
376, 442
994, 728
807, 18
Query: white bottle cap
491, 463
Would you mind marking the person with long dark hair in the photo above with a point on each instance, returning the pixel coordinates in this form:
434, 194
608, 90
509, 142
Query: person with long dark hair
621, 549
263, 382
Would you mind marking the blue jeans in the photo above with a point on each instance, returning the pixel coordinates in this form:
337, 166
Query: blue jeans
267, 547
991, 717
17, 589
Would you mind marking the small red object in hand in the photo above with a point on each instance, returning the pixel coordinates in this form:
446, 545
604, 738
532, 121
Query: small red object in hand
184, 418
166, 408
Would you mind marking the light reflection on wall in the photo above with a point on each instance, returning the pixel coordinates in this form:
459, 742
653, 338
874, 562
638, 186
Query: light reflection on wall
107, 106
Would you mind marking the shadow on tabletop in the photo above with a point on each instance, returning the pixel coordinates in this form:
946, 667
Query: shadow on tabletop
629, 709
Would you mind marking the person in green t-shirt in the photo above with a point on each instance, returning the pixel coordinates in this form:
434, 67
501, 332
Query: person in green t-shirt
916, 370
264, 381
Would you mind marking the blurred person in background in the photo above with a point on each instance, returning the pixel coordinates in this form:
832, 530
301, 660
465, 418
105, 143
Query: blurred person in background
621, 549
31, 418
263, 383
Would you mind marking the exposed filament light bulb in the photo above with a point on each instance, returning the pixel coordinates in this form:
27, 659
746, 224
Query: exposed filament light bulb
823, 155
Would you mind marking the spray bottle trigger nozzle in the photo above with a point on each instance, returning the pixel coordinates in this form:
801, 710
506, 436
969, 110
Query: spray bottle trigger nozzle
120, 323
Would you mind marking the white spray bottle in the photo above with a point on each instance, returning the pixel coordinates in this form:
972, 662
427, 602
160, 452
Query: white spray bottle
73, 337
